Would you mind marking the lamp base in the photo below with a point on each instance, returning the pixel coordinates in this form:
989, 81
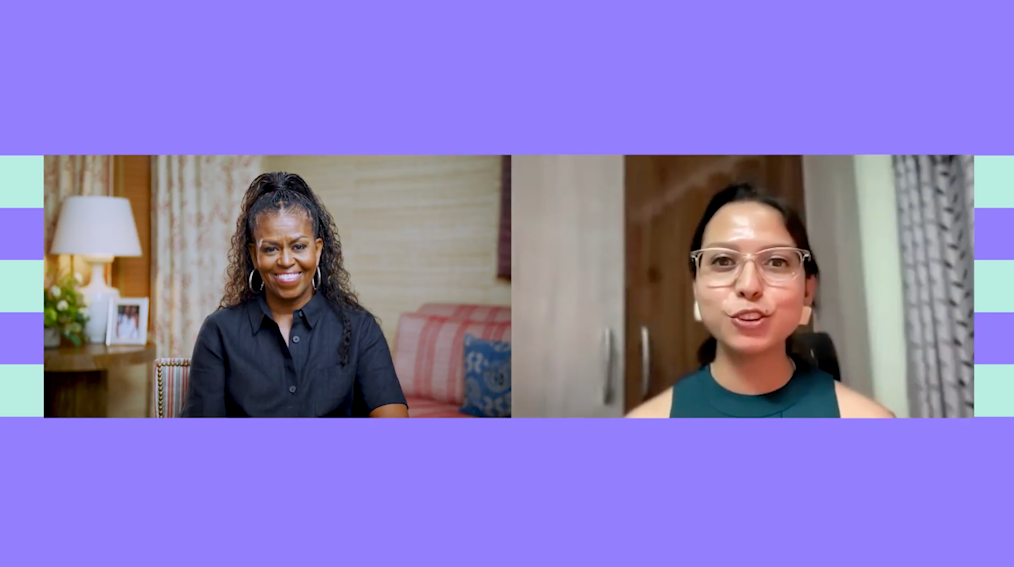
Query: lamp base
98, 295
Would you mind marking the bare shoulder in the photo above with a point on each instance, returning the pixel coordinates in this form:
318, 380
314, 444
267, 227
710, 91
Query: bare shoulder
853, 404
658, 406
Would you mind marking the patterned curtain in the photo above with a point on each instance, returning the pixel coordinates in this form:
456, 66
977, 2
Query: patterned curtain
67, 176
935, 214
196, 202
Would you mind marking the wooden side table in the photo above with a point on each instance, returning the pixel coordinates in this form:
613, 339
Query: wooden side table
99, 381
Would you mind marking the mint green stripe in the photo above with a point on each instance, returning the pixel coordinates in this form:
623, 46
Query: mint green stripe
994, 182
22, 181
22, 389
994, 286
994, 390
21, 286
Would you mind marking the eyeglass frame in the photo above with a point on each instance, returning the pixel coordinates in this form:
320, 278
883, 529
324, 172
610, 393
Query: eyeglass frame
804, 256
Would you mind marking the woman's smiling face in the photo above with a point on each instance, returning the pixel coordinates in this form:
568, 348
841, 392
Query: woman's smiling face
286, 254
749, 315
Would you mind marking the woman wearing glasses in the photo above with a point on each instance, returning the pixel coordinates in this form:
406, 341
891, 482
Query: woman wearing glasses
754, 283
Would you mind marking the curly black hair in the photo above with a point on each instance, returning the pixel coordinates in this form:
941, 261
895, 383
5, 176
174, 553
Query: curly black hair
272, 193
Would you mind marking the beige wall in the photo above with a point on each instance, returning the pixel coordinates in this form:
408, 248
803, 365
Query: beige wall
832, 216
414, 229
882, 269
853, 226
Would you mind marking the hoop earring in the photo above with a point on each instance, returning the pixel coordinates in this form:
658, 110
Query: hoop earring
249, 282
318, 282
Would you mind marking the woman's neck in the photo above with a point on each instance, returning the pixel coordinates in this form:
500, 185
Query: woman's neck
753, 374
283, 309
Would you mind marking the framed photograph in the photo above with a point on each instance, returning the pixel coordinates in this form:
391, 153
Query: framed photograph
128, 321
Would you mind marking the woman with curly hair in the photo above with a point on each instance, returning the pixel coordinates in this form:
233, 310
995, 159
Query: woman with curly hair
290, 338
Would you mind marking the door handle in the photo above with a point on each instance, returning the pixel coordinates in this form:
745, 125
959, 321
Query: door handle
645, 362
607, 346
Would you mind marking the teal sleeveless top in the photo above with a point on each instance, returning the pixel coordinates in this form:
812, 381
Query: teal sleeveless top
809, 393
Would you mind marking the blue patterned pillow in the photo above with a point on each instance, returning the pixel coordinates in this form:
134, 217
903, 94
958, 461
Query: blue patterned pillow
487, 378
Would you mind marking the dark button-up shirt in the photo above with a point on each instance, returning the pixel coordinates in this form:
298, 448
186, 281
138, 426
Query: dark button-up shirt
242, 367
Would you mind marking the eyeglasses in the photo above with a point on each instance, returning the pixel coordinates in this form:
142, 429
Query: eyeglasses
720, 267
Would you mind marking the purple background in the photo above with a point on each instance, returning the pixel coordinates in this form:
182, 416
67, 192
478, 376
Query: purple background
525, 77
505, 492
21, 338
22, 232
993, 338
992, 234
456, 76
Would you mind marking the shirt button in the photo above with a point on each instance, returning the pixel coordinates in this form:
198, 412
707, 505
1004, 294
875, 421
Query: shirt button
295, 339
292, 389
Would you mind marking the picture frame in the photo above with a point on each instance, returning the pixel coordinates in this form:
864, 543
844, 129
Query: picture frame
127, 322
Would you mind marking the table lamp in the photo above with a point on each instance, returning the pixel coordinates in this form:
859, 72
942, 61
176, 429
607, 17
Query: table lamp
99, 229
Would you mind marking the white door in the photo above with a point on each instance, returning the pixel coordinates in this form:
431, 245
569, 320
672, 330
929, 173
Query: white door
568, 286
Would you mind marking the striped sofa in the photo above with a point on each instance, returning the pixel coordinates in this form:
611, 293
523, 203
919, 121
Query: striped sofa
429, 353
428, 357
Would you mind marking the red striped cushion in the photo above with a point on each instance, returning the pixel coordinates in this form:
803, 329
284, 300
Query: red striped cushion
430, 354
485, 313
421, 407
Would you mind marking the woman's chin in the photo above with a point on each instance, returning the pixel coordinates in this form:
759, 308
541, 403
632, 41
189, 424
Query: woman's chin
749, 345
290, 293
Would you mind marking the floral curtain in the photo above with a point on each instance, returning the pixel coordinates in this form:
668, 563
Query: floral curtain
196, 201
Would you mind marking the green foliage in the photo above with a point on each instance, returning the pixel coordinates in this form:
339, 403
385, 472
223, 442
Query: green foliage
66, 309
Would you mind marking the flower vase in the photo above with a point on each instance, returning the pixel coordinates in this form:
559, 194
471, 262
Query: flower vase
52, 337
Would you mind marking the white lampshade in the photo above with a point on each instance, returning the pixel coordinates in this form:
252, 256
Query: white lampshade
96, 226
100, 229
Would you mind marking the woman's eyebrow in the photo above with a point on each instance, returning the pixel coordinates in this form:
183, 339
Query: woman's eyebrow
737, 247
290, 239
